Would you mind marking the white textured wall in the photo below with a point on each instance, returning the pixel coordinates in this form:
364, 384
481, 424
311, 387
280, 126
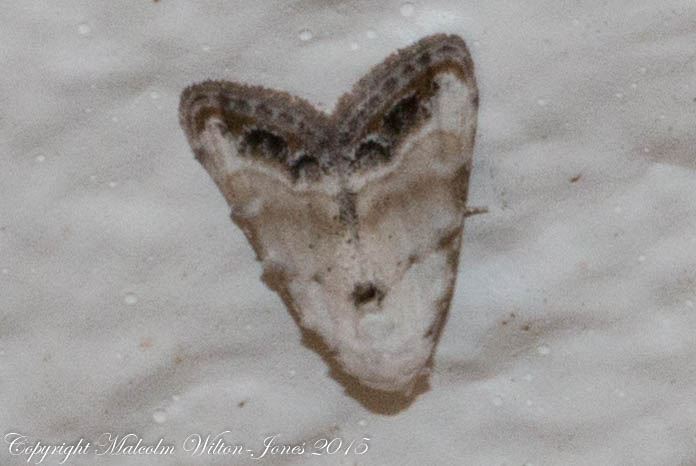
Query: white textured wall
130, 303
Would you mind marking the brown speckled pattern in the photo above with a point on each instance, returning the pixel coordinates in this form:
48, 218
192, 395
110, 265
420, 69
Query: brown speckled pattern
331, 140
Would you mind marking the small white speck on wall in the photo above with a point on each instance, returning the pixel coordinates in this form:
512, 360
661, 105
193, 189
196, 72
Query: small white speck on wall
130, 299
306, 34
407, 9
160, 416
84, 29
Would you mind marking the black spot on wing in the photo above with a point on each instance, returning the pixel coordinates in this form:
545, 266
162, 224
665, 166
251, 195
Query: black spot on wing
306, 167
264, 144
371, 153
402, 116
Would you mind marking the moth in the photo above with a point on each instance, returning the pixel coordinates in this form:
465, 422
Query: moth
357, 215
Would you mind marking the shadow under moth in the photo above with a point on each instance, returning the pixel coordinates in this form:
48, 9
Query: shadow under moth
356, 216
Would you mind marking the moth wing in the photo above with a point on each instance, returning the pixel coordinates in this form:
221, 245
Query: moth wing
411, 156
261, 149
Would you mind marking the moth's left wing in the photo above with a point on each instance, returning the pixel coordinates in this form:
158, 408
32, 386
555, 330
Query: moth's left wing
264, 150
